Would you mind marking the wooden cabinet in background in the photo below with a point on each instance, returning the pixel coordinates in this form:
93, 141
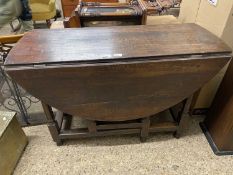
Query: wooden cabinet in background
68, 6
218, 125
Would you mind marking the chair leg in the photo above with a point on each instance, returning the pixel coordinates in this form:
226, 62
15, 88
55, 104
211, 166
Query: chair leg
48, 22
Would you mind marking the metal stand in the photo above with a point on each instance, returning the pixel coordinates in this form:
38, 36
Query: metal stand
14, 89
16, 95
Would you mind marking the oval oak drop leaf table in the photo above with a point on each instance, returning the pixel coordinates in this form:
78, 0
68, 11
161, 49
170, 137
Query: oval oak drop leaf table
116, 77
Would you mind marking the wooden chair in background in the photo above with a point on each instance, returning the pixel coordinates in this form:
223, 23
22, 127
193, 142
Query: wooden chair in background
10, 39
5, 42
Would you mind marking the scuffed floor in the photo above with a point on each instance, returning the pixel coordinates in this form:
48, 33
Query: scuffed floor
161, 154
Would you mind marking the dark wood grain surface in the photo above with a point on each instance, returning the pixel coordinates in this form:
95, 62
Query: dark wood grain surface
219, 120
106, 43
119, 90
81, 72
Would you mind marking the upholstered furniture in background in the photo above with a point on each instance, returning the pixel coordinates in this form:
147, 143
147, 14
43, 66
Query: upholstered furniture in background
43, 10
